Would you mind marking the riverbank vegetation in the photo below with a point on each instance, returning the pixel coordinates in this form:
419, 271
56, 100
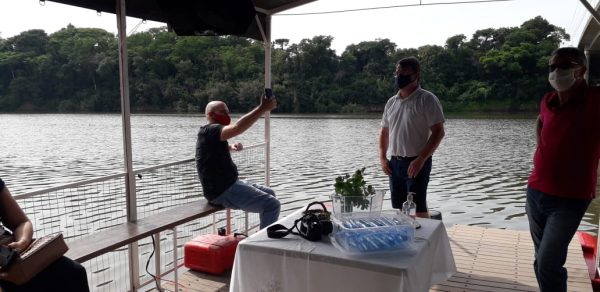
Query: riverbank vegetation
76, 70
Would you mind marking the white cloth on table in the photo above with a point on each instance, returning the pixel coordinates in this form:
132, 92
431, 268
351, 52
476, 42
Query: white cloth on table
293, 264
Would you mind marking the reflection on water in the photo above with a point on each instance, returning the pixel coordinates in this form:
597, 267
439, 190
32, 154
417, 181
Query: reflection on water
479, 172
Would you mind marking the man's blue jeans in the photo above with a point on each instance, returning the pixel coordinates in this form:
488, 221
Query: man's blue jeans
552, 222
252, 198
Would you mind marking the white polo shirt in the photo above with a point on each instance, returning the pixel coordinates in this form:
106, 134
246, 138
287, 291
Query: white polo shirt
409, 121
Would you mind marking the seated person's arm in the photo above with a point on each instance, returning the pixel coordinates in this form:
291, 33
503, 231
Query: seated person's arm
246, 121
15, 219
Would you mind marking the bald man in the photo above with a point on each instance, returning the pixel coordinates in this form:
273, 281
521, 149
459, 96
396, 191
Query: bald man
217, 172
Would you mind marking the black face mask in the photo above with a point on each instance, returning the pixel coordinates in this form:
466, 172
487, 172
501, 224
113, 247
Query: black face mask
402, 80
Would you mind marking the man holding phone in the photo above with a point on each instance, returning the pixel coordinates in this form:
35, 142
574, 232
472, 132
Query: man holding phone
216, 170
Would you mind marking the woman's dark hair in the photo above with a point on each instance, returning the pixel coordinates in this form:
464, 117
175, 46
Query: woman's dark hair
572, 53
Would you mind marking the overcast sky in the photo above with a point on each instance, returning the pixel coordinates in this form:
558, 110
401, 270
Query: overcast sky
407, 27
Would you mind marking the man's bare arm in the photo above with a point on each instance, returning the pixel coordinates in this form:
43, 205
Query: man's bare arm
246, 121
437, 133
383, 147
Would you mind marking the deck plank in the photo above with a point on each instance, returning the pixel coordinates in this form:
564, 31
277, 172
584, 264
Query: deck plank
191, 281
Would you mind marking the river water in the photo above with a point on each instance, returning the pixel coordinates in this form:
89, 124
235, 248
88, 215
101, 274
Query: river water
479, 171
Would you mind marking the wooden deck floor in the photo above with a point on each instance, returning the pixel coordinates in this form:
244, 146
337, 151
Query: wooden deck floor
501, 260
488, 260
191, 281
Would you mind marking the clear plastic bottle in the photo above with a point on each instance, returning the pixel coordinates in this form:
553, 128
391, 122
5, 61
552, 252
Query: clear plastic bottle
409, 207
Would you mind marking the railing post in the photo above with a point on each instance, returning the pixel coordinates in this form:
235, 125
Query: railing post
134, 280
157, 271
246, 229
228, 220
265, 30
214, 216
175, 258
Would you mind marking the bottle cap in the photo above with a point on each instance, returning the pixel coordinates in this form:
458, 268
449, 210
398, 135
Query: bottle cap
410, 195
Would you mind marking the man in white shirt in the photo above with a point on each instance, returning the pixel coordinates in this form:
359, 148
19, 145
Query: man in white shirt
412, 128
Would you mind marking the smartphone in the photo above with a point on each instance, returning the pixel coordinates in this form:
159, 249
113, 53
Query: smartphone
268, 92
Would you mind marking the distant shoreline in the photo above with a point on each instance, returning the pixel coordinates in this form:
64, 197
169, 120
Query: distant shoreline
451, 115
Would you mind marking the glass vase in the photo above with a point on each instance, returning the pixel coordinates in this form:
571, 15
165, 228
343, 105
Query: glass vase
354, 204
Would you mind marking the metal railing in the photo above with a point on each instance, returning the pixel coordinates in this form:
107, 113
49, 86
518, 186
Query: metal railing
580, 20
83, 208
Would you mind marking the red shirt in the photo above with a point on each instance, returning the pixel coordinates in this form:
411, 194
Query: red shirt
565, 162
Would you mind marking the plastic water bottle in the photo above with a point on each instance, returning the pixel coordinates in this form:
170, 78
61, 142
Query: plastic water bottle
409, 207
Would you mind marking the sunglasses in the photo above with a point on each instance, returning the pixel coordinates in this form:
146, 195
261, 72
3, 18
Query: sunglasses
563, 66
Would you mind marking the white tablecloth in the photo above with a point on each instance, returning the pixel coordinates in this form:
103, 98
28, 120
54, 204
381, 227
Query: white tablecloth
296, 264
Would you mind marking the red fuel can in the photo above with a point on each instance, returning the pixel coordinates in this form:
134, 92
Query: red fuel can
211, 253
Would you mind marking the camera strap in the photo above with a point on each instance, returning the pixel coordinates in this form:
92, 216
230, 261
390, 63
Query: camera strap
313, 224
280, 231
310, 228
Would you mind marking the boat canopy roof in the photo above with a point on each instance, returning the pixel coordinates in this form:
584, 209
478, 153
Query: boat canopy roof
199, 17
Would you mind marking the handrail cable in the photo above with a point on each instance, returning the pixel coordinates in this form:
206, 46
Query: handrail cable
113, 176
389, 7
136, 27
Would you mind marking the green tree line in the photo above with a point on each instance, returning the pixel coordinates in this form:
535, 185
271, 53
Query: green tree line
76, 70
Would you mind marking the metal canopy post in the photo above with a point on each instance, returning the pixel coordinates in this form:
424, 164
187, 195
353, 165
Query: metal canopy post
588, 56
125, 112
589, 7
265, 31
134, 280
596, 16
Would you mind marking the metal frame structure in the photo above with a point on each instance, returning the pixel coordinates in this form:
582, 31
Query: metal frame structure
153, 10
596, 17
588, 42
260, 27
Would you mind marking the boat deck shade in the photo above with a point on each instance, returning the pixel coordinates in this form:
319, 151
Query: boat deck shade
208, 17
199, 17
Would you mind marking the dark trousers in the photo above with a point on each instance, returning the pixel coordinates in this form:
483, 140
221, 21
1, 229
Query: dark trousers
62, 275
400, 184
552, 222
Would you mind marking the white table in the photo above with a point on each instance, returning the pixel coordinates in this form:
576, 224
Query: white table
296, 264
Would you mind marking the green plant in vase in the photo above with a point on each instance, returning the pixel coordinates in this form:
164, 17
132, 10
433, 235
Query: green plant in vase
354, 190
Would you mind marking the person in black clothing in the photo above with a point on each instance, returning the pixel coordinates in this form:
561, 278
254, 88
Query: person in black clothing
62, 275
217, 172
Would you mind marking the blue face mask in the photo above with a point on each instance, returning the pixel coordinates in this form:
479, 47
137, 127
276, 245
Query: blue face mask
402, 80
